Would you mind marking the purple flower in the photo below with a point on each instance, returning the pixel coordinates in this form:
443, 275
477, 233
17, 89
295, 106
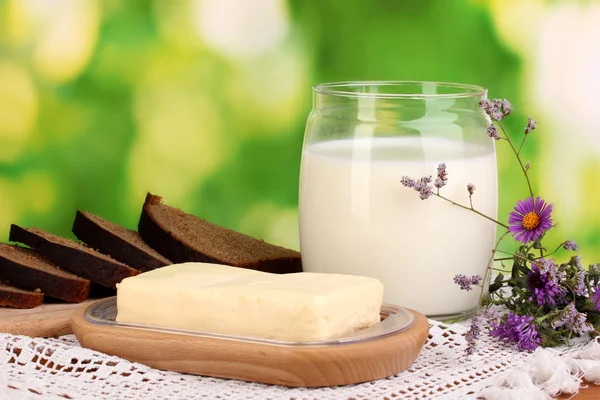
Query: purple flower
407, 182
580, 288
530, 125
530, 219
506, 107
543, 286
442, 176
492, 132
465, 282
570, 245
486, 105
470, 189
425, 192
596, 298
517, 329
497, 115
420, 185
573, 320
473, 334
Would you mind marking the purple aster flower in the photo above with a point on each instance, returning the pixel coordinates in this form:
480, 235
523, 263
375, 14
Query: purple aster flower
543, 286
465, 282
530, 219
573, 320
517, 329
570, 245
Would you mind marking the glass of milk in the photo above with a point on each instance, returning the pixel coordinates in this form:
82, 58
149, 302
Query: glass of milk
357, 218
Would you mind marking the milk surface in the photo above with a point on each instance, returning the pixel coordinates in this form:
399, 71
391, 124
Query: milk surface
357, 218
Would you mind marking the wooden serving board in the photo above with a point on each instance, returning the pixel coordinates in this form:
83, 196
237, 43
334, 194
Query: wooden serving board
47, 320
288, 365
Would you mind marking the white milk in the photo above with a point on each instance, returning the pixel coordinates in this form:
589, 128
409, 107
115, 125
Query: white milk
357, 218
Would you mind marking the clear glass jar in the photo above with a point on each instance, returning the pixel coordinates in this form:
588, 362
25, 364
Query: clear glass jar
357, 218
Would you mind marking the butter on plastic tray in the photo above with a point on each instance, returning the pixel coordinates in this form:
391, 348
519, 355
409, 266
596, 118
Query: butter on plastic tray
220, 299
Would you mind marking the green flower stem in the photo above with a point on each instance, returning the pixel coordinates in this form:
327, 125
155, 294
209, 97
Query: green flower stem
521, 146
588, 284
472, 209
513, 255
518, 159
490, 266
542, 318
558, 248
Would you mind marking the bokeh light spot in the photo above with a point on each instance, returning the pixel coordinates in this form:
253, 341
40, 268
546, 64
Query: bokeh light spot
67, 37
38, 192
272, 223
18, 110
181, 135
239, 28
276, 86
9, 207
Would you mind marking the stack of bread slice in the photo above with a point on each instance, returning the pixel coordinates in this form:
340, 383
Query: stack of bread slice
64, 269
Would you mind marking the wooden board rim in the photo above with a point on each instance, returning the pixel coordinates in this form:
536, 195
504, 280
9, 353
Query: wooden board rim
302, 366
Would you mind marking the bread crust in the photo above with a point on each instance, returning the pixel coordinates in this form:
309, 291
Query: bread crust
120, 243
169, 240
74, 257
17, 267
13, 297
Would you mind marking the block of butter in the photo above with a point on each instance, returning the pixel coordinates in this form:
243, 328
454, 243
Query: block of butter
235, 301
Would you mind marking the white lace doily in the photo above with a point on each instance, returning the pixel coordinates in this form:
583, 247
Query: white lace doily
48, 369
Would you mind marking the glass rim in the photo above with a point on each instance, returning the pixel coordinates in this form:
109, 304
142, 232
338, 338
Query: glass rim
339, 89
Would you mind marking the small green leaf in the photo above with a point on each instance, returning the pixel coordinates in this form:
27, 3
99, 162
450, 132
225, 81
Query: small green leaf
494, 286
538, 244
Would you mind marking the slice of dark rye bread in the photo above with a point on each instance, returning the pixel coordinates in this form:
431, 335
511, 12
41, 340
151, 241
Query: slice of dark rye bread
28, 270
120, 243
74, 257
11, 296
183, 237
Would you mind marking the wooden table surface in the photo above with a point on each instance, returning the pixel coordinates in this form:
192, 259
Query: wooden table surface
590, 393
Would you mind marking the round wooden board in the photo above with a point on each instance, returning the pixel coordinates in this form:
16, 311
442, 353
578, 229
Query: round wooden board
305, 366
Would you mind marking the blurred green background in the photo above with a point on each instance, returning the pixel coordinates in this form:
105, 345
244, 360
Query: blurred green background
204, 102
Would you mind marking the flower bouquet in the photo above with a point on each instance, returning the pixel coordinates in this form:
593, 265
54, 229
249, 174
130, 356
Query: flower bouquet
534, 300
